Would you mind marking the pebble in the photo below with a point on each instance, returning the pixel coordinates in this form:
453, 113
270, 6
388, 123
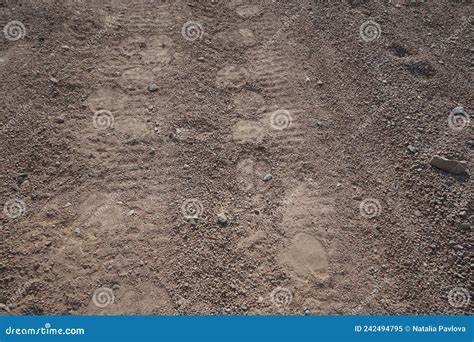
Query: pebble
201, 59
153, 87
68, 204
60, 119
320, 83
466, 226
453, 166
222, 218
412, 149
267, 177
459, 110
54, 80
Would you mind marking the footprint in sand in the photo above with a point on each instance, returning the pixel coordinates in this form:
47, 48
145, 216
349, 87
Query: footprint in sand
306, 217
305, 258
232, 76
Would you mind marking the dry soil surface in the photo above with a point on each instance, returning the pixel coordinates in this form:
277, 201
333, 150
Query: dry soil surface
235, 157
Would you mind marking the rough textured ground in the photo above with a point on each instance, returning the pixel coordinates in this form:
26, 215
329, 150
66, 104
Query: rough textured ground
107, 226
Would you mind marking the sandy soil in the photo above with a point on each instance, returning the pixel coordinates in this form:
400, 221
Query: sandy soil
235, 157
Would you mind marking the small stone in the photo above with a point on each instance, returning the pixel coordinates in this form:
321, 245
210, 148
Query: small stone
459, 110
412, 149
131, 212
59, 119
453, 166
222, 218
320, 83
267, 177
338, 185
68, 204
466, 226
201, 59
417, 213
458, 247
54, 80
77, 231
244, 307
153, 87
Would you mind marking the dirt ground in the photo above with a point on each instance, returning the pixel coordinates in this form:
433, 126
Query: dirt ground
235, 157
